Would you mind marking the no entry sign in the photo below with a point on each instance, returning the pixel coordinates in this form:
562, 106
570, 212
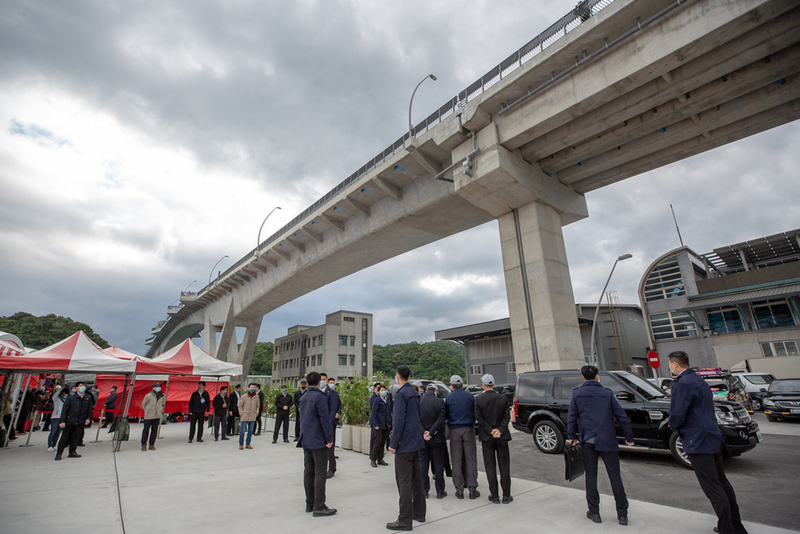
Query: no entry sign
652, 358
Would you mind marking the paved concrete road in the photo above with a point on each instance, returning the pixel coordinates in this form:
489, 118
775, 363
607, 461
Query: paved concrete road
214, 487
765, 479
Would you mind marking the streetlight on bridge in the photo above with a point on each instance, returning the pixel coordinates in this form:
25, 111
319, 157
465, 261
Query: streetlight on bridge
214, 267
190, 285
410, 127
258, 243
600, 364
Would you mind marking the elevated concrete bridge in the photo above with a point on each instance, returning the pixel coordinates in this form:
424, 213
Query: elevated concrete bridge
607, 93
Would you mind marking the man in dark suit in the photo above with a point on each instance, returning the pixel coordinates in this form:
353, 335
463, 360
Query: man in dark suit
335, 411
406, 443
596, 408
233, 402
691, 414
379, 423
298, 396
283, 403
111, 405
199, 404
75, 415
432, 416
493, 415
315, 439
260, 410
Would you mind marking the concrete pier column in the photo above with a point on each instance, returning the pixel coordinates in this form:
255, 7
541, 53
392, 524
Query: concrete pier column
539, 290
209, 335
248, 347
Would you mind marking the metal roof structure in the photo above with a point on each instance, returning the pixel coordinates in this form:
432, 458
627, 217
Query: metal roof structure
762, 252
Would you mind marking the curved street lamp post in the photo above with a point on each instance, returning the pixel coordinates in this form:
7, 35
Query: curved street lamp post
258, 243
214, 267
410, 127
592, 352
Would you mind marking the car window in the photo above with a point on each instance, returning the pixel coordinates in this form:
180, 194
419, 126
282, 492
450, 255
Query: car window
641, 386
564, 384
532, 385
785, 386
756, 379
608, 382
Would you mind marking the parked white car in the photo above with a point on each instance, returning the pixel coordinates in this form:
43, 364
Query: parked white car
756, 385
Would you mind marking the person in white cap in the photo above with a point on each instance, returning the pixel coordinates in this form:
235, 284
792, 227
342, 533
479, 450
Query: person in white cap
493, 415
463, 450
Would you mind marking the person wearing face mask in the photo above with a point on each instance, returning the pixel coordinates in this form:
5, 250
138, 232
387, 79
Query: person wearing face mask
153, 406
221, 411
199, 404
233, 403
315, 439
298, 396
328, 387
283, 403
75, 415
379, 423
248, 412
260, 409
58, 406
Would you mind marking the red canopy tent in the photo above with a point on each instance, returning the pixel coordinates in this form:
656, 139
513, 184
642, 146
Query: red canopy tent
77, 353
187, 359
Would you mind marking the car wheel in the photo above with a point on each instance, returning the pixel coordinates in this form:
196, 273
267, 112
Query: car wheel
772, 419
755, 404
548, 437
676, 448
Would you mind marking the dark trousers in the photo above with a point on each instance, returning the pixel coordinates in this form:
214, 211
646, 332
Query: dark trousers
220, 422
9, 427
55, 432
297, 424
711, 476
464, 452
232, 423
611, 461
332, 457
432, 456
150, 429
378, 442
495, 454
282, 419
409, 485
258, 422
109, 418
196, 420
315, 462
71, 435
46, 420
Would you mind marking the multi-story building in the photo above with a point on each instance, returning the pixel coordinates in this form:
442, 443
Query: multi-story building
738, 303
620, 337
342, 348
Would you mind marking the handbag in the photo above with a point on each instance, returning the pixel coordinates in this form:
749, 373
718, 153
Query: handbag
573, 462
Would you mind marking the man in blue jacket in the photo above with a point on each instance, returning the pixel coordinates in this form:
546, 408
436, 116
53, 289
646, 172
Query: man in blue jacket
460, 407
328, 387
691, 414
406, 443
379, 423
316, 439
596, 408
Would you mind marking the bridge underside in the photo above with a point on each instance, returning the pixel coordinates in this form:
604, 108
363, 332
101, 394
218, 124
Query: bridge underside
638, 86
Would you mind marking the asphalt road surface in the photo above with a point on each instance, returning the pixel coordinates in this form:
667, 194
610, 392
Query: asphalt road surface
766, 479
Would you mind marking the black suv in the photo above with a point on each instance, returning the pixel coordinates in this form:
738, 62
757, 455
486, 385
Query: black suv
541, 404
782, 400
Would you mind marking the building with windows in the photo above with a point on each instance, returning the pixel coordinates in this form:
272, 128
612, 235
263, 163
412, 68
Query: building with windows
342, 348
621, 340
739, 302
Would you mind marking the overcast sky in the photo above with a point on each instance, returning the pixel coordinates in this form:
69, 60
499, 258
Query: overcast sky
142, 141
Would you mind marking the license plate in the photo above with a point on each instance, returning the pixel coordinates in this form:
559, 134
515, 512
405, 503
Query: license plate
758, 436
794, 410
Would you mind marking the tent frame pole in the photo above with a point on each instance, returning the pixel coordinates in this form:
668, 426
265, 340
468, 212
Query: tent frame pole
117, 441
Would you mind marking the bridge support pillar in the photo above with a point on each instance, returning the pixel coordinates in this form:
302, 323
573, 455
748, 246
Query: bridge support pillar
544, 323
209, 336
248, 348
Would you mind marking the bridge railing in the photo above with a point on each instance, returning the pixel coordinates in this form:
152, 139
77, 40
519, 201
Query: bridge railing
582, 12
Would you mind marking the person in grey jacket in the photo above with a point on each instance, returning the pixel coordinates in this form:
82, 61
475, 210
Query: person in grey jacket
55, 429
153, 406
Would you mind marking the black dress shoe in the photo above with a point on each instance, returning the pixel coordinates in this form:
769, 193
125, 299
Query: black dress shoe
593, 517
309, 509
226, 439
330, 474
190, 441
459, 494
274, 441
507, 499
373, 463
381, 462
216, 439
58, 457
398, 526
420, 519
441, 495
623, 520
494, 500
286, 441
716, 529
199, 440
474, 494
73, 455
324, 512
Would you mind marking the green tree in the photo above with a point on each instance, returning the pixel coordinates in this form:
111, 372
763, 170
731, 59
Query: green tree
262, 359
40, 332
436, 360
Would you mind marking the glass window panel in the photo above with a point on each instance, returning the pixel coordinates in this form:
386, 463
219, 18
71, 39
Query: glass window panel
767, 348
791, 348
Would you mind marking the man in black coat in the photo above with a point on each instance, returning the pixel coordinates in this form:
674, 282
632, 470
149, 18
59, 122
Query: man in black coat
75, 415
111, 405
493, 415
222, 408
260, 410
432, 416
28, 399
315, 438
379, 425
233, 402
283, 405
298, 396
199, 404
328, 387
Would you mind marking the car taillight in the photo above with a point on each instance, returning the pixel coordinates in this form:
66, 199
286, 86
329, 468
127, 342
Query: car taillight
514, 412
